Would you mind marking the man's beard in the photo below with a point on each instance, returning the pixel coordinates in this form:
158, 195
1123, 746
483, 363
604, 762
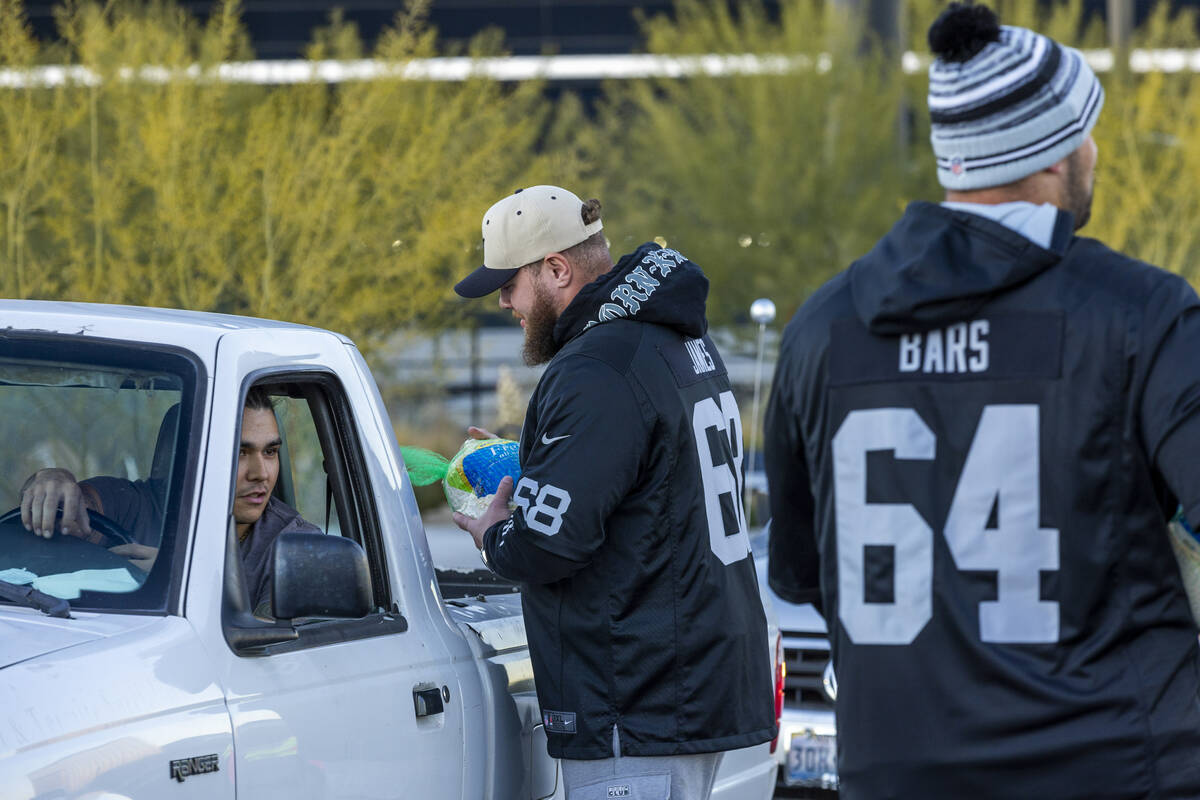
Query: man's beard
1079, 194
539, 345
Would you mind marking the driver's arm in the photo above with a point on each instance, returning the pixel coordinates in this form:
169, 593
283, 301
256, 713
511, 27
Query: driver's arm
141, 556
46, 491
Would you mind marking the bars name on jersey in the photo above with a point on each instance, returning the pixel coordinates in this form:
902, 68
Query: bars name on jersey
1006, 345
957, 348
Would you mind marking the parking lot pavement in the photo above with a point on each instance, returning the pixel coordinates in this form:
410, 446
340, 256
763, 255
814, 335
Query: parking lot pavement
451, 546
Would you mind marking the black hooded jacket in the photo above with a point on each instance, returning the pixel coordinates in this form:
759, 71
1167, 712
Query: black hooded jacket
996, 434
640, 597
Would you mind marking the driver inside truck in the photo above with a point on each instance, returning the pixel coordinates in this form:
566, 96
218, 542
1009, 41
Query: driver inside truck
137, 506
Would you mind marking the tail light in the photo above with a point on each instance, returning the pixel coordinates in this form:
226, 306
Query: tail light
780, 674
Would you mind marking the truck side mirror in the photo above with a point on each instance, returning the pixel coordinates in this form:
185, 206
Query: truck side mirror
315, 575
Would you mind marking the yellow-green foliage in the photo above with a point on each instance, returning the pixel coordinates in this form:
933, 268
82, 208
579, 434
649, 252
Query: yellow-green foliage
355, 206
773, 183
352, 207
1147, 194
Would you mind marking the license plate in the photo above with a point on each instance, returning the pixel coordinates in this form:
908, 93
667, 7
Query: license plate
812, 761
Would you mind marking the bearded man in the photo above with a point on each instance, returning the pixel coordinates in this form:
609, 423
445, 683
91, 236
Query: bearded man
645, 625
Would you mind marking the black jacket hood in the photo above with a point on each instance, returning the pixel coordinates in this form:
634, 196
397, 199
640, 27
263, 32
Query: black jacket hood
938, 265
651, 284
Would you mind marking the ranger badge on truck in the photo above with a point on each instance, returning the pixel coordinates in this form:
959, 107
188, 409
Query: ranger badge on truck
196, 765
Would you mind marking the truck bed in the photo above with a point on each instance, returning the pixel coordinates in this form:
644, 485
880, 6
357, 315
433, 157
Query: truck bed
459, 583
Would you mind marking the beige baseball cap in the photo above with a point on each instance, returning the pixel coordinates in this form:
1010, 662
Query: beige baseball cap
527, 225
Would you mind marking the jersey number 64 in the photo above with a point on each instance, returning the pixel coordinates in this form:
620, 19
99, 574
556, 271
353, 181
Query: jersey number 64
1001, 469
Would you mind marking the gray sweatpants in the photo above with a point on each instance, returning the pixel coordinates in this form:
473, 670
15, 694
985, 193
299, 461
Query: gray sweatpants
687, 777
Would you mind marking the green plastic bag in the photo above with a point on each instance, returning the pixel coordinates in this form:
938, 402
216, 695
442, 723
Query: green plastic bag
469, 479
424, 466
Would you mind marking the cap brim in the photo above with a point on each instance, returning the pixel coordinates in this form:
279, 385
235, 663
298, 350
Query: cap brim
484, 281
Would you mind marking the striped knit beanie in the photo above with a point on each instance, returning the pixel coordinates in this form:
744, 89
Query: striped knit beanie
1004, 102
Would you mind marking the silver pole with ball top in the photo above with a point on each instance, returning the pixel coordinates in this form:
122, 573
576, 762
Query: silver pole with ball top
762, 312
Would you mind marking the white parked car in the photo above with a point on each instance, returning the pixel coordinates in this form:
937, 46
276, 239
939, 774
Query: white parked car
807, 751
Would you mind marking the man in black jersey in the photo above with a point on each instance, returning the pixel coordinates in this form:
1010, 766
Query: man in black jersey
645, 625
975, 437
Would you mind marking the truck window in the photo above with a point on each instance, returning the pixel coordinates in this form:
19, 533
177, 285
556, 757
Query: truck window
321, 483
103, 429
303, 482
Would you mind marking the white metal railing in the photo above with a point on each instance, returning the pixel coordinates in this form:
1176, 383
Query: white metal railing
516, 68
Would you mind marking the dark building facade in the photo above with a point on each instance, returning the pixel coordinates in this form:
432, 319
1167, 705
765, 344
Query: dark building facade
281, 29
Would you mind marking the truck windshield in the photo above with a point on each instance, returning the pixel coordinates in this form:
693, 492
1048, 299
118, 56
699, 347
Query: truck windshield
101, 436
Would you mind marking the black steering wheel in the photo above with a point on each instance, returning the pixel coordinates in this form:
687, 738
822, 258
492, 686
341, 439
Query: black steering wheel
98, 521
22, 549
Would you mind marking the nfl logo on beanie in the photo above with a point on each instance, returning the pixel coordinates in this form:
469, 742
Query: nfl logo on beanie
1004, 102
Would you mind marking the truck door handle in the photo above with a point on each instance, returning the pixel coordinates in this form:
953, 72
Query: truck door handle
428, 702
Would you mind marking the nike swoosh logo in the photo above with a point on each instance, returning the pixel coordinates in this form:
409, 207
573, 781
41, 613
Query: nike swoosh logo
552, 439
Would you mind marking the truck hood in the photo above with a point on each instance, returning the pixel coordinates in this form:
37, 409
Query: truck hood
26, 633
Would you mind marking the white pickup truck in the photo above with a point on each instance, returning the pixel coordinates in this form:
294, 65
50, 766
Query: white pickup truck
126, 679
